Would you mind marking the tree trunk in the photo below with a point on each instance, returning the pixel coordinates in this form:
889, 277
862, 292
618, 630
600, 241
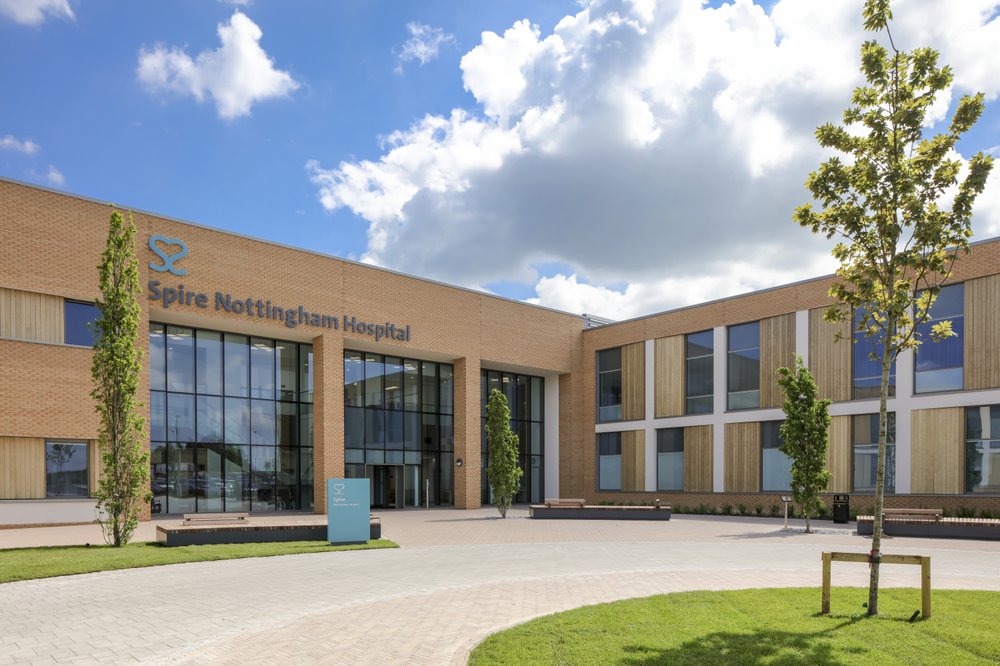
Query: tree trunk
883, 423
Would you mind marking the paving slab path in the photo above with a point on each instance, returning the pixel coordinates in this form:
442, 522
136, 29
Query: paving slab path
459, 577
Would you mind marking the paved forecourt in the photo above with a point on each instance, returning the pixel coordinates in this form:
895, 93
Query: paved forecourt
425, 603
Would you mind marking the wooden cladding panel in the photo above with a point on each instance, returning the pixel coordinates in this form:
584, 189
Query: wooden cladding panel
838, 455
777, 349
698, 458
982, 332
669, 374
742, 457
95, 465
634, 381
634, 460
25, 315
22, 468
829, 358
937, 450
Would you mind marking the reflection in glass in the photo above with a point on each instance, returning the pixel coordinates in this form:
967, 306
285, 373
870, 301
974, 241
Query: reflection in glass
287, 364
262, 368
743, 366
209, 419
180, 359
208, 354
180, 417
66, 469
157, 358
670, 459
237, 365
237, 420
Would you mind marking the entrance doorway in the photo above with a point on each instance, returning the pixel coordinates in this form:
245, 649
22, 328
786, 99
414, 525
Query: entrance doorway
386, 486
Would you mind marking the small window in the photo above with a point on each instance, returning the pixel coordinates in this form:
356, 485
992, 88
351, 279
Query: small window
670, 459
609, 461
865, 439
699, 367
867, 369
80, 321
743, 371
982, 449
66, 469
609, 385
938, 365
776, 467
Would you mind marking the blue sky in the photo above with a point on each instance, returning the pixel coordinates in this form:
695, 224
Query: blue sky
531, 161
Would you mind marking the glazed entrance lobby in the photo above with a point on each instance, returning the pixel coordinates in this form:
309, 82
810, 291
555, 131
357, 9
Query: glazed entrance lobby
231, 424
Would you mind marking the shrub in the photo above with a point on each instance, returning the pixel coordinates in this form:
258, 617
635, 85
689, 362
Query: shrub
727, 509
759, 510
742, 508
775, 511
985, 513
965, 512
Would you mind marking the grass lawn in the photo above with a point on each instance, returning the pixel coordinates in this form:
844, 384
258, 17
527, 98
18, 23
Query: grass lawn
773, 626
27, 563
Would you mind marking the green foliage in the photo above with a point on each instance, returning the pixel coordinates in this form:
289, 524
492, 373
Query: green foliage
804, 432
503, 472
124, 484
886, 203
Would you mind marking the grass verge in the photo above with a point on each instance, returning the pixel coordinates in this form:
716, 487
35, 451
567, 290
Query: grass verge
29, 563
769, 626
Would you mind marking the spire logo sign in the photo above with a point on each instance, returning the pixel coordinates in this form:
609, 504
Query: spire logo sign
161, 247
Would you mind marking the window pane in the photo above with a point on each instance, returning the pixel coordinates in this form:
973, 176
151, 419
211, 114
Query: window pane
237, 355
79, 321
354, 427
157, 416
699, 344
354, 379
609, 451
306, 479
429, 386
939, 364
237, 421
670, 459
374, 429
305, 373
210, 484
182, 487
430, 440
865, 438
537, 397
262, 465
157, 358
744, 336
411, 385
180, 417
66, 469
393, 383
287, 420
158, 475
261, 368
180, 359
238, 479
287, 490
411, 431
447, 394
209, 419
446, 430
699, 377
609, 384
287, 364
374, 369
262, 422
394, 429
306, 425
743, 366
208, 359
868, 370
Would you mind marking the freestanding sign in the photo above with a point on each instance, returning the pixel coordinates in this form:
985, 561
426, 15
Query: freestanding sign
348, 510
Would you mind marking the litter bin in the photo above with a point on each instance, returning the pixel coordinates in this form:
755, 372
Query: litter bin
841, 508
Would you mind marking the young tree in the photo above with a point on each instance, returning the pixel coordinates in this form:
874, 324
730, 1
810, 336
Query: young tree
124, 484
804, 432
886, 203
503, 473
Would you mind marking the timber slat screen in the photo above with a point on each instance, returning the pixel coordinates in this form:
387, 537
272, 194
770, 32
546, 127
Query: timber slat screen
923, 561
698, 458
777, 349
830, 359
669, 373
937, 443
634, 381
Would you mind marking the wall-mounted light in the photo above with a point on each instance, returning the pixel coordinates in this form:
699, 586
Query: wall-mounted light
458, 462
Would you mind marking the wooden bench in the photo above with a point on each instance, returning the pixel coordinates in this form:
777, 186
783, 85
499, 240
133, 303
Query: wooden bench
571, 503
215, 518
920, 515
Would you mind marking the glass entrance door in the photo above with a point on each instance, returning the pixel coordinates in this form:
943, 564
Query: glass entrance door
386, 486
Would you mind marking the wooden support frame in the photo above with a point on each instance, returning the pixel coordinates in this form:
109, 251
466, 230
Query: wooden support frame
924, 561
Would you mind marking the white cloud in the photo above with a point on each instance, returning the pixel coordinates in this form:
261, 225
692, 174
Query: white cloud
26, 146
34, 12
658, 145
423, 45
55, 176
236, 75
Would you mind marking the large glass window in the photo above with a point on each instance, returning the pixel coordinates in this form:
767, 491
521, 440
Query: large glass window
938, 365
982, 449
609, 384
526, 401
743, 366
865, 439
66, 469
609, 461
775, 466
230, 422
79, 320
867, 367
670, 459
699, 383
397, 413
